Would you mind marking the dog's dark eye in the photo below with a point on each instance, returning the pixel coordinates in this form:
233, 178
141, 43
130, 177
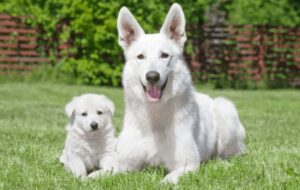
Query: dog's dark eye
84, 114
99, 112
164, 55
141, 56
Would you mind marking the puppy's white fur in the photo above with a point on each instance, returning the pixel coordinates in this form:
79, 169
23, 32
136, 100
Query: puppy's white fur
168, 122
86, 148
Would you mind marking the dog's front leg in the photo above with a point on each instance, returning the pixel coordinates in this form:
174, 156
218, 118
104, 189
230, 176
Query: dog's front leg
132, 148
77, 167
131, 157
184, 156
173, 176
108, 165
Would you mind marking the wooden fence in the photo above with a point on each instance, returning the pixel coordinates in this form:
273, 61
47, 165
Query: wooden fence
228, 52
22, 47
247, 52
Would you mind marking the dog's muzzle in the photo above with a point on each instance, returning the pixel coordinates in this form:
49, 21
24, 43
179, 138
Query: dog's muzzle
154, 92
94, 125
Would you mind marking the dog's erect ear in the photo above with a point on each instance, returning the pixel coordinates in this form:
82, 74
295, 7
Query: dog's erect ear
70, 107
174, 25
128, 28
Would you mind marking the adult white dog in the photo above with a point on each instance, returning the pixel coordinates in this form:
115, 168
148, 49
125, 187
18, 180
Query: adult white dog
90, 142
166, 122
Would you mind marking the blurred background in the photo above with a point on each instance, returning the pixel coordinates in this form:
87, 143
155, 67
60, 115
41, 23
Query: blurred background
231, 43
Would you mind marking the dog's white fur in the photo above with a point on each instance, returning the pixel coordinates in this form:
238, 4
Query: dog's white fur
182, 128
87, 149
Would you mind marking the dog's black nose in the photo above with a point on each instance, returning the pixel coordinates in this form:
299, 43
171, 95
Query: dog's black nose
152, 77
94, 125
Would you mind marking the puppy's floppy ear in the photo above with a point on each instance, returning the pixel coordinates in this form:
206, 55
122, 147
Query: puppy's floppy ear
128, 28
109, 105
70, 107
174, 25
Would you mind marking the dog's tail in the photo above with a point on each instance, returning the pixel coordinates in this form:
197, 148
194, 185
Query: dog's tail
231, 132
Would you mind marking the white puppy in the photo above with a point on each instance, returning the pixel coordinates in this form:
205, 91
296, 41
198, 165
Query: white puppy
90, 140
166, 122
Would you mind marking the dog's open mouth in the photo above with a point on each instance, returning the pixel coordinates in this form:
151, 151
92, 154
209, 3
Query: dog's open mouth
154, 92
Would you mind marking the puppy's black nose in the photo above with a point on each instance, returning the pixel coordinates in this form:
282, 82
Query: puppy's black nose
94, 125
152, 77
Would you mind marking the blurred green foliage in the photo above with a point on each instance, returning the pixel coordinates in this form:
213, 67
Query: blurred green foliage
263, 12
92, 27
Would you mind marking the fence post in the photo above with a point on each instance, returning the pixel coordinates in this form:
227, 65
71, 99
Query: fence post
261, 53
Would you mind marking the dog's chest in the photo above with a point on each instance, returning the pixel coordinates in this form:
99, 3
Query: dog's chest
159, 117
163, 147
95, 149
91, 153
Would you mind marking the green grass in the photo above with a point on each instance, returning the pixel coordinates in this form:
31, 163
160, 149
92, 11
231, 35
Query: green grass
32, 134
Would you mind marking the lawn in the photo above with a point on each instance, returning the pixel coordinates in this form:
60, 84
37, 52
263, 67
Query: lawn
32, 122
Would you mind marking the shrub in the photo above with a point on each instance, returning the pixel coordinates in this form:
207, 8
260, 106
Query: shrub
91, 24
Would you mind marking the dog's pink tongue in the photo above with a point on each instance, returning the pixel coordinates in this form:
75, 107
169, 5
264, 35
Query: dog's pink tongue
153, 93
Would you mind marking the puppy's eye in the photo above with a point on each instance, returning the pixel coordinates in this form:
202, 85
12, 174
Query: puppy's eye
84, 114
164, 55
141, 56
99, 112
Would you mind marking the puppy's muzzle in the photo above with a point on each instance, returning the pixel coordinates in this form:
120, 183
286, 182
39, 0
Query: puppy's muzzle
94, 125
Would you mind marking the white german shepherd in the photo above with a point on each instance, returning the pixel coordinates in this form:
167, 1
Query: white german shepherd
166, 122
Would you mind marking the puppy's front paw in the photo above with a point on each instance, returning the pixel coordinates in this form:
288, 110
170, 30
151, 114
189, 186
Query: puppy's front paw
110, 164
98, 173
171, 178
83, 178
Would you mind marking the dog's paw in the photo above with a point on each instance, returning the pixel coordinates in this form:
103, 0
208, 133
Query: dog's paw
83, 178
171, 178
98, 173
